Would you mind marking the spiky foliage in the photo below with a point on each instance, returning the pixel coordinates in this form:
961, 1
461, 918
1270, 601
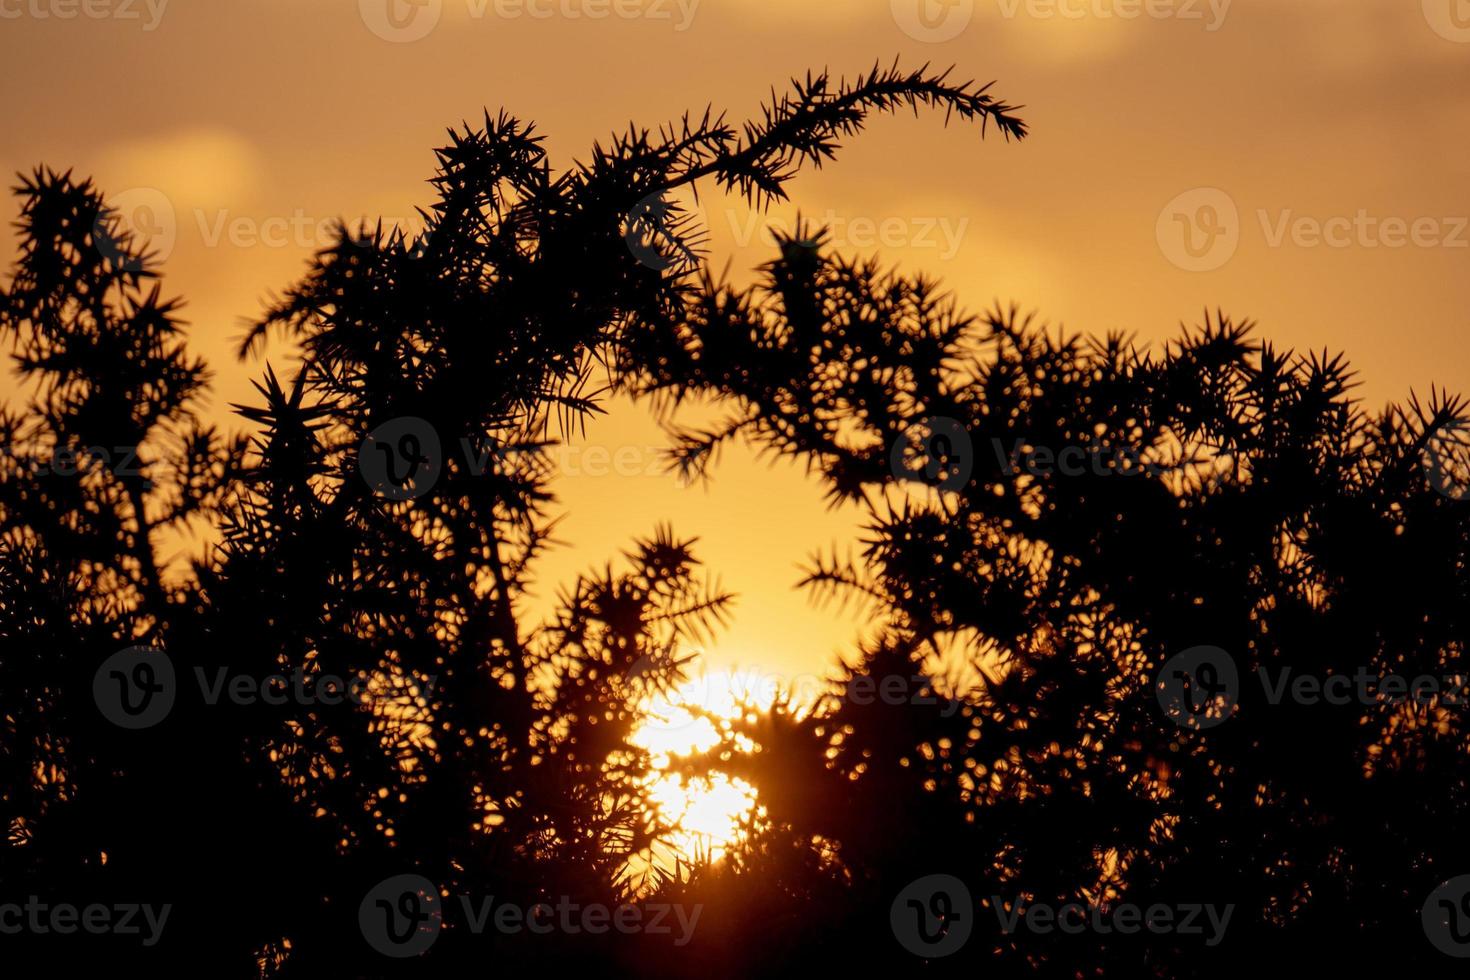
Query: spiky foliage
495, 757
1230, 494
99, 473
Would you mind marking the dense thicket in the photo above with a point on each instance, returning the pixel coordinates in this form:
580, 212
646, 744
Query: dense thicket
1234, 495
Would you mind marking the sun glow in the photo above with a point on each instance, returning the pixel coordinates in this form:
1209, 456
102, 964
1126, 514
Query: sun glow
711, 812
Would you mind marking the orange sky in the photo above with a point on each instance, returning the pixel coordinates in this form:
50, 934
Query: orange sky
1315, 152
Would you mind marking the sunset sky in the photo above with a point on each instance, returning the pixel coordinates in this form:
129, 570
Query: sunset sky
1316, 154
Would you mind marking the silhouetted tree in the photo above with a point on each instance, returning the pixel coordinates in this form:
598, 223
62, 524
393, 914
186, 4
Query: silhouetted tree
384, 520
99, 474
1245, 501
490, 756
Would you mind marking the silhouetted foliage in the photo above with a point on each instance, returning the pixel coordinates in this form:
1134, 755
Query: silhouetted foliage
1258, 509
1028, 610
490, 755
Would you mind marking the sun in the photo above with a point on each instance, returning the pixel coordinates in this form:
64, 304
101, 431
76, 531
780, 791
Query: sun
710, 814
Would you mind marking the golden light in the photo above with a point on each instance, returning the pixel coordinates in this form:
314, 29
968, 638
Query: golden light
710, 813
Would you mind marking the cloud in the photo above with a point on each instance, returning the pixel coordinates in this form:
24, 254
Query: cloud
204, 167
